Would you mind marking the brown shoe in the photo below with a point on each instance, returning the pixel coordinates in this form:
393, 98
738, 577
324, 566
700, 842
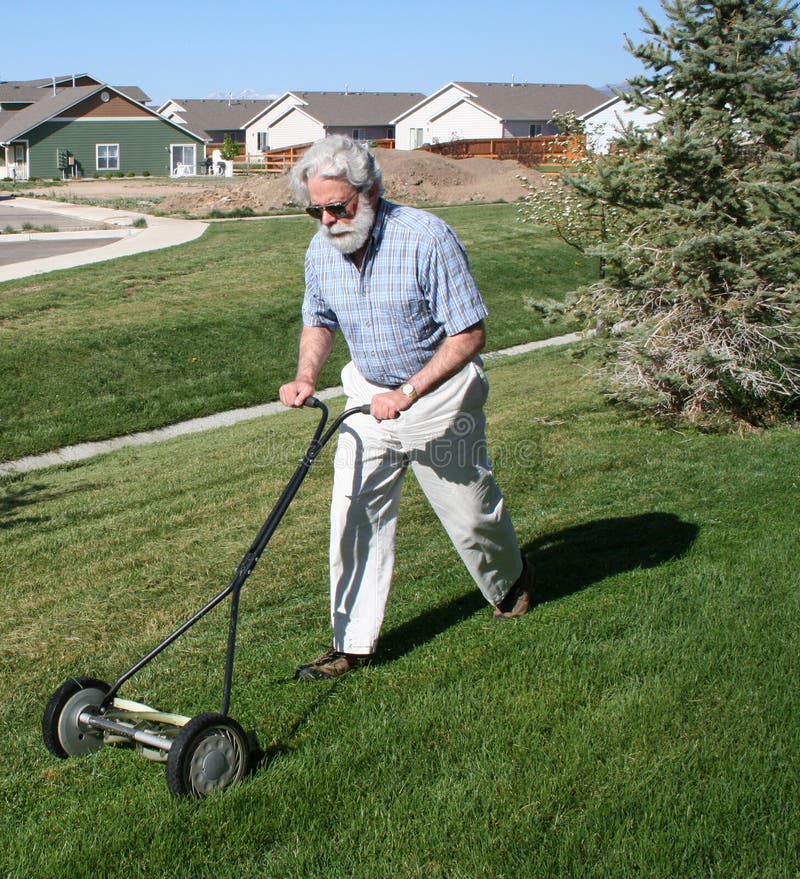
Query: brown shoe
332, 664
519, 598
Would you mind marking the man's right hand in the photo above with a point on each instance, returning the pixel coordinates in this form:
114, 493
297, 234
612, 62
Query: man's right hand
295, 393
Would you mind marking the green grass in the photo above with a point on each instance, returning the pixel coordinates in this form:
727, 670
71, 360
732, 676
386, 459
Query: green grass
160, 337
641, 722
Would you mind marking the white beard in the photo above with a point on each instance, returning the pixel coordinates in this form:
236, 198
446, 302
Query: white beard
352, 236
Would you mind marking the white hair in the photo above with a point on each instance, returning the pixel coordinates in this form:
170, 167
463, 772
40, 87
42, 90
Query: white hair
339, 157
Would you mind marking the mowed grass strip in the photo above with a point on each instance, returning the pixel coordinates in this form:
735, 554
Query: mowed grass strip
642, 721
157, 338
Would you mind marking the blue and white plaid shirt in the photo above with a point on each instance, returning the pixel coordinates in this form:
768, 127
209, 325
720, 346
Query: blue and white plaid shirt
413, 290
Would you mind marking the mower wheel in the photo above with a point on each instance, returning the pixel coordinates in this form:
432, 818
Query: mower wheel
63, 733
211, 752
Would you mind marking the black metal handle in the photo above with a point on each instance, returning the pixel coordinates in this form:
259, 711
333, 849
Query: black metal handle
251, 557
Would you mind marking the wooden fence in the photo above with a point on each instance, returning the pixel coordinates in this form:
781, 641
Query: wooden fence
555, 149
543, 150
278, 161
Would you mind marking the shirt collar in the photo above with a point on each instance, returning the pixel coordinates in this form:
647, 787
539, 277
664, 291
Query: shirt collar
381, 215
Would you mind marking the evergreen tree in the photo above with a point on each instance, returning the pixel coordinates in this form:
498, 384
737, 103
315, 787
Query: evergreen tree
697, 310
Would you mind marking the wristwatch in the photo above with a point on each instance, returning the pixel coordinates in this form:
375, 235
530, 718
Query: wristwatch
410, 391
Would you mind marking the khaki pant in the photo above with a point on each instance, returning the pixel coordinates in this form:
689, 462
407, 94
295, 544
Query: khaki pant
442, 438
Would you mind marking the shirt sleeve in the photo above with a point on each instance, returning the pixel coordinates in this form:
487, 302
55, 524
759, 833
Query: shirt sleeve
455, 301
316, 312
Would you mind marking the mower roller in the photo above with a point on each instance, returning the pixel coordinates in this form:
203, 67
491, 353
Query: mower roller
202, 754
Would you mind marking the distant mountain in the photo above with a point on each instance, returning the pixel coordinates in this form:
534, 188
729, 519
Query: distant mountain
612, 89
244, 95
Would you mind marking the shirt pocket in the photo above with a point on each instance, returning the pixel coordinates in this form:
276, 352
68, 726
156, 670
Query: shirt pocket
405, 304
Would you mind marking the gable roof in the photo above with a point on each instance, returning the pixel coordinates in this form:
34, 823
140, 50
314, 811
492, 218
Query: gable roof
30, 117
512, 101
18, 93
509, 102
47, 81
204, 115
40, 111
359, 109
30, 90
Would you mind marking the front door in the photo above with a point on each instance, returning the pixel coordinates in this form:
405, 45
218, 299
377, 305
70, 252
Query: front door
19, 160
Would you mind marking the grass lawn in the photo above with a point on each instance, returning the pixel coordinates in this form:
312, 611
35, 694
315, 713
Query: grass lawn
643, 721
156, 338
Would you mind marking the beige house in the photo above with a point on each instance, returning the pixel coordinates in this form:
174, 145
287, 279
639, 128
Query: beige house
212, 118
468, 110
608, 121
304, 117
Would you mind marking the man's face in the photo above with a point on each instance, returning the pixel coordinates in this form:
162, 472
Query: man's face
349, 232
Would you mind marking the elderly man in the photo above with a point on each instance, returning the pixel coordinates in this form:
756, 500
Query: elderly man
396, 282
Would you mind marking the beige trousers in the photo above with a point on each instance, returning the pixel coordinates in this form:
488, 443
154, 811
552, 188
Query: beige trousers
442, 438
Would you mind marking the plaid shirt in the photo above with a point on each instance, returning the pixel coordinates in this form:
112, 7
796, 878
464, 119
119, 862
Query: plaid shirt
413, 290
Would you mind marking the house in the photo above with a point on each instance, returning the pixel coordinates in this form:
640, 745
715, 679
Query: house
467, 110
17, 94
78, 126
212, 119
304, 117
608, 121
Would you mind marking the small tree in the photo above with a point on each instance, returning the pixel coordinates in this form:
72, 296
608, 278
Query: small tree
697, 219
230, 149
577, 219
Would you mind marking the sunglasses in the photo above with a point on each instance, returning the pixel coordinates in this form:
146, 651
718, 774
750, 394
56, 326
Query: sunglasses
337, 210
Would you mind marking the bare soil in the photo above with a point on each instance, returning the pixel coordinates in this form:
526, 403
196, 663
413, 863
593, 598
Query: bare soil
409, 177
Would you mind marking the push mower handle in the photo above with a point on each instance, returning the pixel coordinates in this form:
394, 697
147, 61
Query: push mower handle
316, 403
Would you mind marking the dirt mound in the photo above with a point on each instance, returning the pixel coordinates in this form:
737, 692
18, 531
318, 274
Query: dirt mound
409, 177
418, 177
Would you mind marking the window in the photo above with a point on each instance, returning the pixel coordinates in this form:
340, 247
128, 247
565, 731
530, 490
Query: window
416, 138
536, 129
108, 157
263, 140
359, 134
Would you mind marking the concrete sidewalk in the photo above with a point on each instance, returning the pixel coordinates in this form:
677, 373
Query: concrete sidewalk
159, 233
83, 451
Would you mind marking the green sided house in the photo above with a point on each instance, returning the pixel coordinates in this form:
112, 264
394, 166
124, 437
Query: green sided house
87, 130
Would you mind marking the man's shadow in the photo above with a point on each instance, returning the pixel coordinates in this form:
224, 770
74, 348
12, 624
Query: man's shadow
565, 562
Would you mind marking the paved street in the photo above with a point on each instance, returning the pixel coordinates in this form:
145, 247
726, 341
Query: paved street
15, 215
85, 234
33, 244
17, 251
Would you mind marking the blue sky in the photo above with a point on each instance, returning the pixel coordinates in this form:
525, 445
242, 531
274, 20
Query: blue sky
195, 49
